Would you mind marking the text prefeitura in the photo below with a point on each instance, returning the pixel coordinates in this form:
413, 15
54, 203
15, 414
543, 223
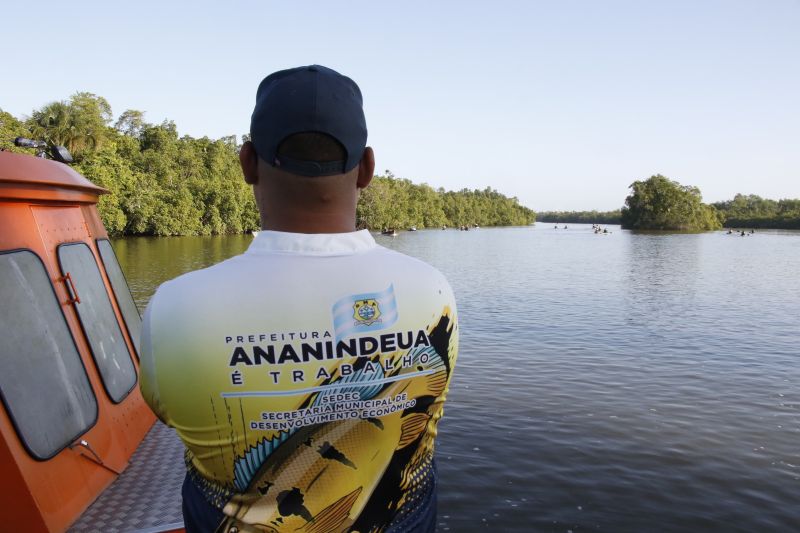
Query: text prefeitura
278, 354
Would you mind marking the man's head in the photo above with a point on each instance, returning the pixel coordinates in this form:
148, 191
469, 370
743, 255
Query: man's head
308, 156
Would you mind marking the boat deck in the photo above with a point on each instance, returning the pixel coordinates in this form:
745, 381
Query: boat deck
147, 496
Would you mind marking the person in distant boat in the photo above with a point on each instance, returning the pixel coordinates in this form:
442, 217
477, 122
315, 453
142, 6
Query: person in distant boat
565, 226
306, 377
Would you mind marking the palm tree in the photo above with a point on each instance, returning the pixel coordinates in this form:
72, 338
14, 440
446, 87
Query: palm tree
79, 124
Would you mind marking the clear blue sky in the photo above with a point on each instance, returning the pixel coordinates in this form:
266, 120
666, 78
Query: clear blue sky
560, 103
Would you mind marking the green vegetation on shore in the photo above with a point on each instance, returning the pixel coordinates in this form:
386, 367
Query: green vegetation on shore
163, 184
397, 203
752, 211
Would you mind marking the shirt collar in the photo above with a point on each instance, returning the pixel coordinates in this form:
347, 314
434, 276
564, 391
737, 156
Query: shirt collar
268, 241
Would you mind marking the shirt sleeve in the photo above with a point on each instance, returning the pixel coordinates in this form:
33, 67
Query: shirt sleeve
148, 381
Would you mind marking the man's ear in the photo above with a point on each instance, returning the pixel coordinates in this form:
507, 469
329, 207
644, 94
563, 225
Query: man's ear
366, 168
248, 158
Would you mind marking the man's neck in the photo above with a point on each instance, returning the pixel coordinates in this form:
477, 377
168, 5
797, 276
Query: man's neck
310, 224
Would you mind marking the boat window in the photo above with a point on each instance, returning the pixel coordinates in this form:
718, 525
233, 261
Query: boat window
43, 382
98, 320
121, 291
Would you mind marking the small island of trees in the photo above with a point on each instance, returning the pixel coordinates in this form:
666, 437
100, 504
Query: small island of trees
659, 203
165, 184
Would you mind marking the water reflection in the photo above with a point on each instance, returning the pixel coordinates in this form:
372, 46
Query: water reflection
663, 273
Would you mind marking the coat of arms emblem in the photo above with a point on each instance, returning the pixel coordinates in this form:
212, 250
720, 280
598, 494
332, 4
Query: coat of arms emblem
366, 311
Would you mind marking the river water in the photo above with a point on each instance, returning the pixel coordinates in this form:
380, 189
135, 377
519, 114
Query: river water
620, 382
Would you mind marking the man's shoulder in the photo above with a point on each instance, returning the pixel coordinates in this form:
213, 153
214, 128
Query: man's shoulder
237, 276
197, 283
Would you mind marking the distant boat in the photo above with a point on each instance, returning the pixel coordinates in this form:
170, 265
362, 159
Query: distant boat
255, 234
390, 232
412, 228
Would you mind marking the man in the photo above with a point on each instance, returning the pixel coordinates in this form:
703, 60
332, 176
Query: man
306, 377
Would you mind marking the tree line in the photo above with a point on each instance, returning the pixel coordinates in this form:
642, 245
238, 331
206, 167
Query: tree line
165, 184
160, 183
580, 217
752, 211
659, 203
390, 202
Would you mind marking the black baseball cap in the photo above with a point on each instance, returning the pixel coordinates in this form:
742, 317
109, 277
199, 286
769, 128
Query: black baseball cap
309, 99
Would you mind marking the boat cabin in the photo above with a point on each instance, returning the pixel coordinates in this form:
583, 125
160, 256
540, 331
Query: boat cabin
71, 415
